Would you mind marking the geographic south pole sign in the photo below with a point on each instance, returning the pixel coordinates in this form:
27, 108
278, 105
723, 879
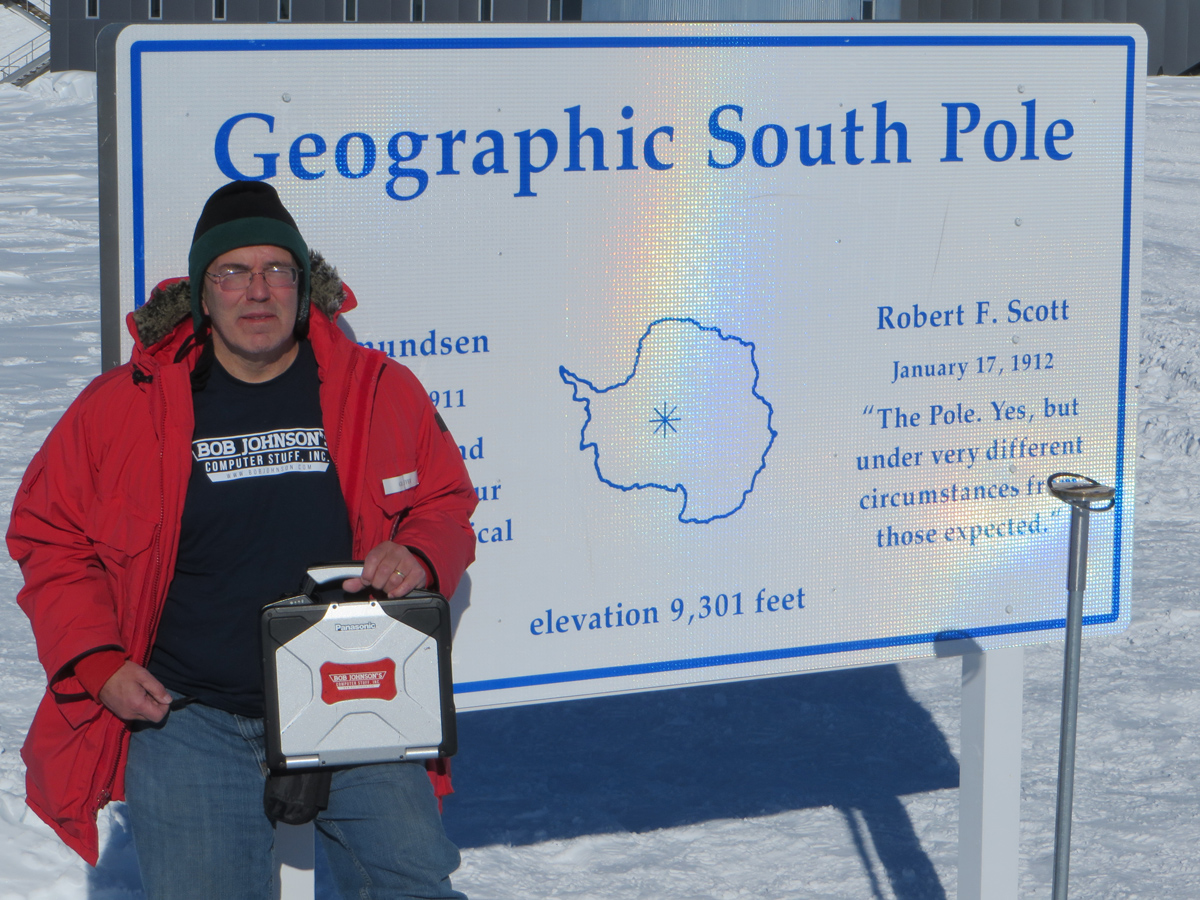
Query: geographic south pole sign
759, 341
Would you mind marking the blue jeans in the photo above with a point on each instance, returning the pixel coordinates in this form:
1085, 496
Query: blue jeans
194, 791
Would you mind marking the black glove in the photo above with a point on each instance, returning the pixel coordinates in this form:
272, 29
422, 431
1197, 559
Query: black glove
294, 798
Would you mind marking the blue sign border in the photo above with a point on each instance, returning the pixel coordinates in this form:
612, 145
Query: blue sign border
140, 48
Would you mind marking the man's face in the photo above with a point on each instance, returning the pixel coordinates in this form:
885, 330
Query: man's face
252, 327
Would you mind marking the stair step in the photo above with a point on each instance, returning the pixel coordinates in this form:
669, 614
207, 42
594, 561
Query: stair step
32, 74
27, 73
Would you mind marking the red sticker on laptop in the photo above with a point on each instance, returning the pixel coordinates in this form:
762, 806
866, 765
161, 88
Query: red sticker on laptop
358, 681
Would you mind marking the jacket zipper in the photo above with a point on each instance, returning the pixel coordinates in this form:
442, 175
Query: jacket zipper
341, 424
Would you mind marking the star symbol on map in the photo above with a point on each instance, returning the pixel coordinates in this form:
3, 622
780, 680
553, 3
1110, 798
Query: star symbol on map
664, 419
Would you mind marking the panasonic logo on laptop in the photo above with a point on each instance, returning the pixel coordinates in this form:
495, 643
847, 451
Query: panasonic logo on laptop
354, 626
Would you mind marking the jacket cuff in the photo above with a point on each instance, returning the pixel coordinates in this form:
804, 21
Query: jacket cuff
430, 574
94, 670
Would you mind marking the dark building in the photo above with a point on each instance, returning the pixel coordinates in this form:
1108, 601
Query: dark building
1173, 26
76, 23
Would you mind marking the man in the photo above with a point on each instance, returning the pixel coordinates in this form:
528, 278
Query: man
246, 439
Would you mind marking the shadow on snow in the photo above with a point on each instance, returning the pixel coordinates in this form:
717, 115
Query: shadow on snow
853, 740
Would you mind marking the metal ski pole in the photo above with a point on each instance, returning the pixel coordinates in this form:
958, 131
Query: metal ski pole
1080, 492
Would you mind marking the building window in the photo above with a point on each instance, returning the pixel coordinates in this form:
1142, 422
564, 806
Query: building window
485, 10
218, 10
93, 9
155, 9
868, 10
351, 10
285, 10
418, 10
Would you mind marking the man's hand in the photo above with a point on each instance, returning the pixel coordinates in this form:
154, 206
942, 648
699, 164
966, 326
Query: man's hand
391, 568
133, 694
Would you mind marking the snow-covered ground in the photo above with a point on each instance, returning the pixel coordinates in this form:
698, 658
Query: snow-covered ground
16, 30
830, 785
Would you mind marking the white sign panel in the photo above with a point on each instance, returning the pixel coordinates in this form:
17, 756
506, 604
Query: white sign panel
759, 341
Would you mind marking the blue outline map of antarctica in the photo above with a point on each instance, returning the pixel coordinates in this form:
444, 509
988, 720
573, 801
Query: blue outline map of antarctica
687, 419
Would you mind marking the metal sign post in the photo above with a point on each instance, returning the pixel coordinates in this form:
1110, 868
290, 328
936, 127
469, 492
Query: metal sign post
295, 862
1080, 492
989, 789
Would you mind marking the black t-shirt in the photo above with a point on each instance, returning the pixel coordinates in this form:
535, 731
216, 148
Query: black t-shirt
263, 504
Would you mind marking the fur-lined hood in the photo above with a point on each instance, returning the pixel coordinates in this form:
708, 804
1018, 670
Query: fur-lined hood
171, 302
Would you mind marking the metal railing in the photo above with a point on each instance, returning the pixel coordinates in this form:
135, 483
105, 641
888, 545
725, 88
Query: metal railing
23, 56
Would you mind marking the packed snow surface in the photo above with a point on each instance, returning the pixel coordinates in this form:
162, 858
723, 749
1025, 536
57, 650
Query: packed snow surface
828, 785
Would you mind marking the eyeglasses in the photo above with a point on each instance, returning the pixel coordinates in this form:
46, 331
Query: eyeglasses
239, 279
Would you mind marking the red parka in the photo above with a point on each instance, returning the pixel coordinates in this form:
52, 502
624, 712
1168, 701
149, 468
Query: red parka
95, 524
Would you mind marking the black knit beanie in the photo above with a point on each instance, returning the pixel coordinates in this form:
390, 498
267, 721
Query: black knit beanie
245, 214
